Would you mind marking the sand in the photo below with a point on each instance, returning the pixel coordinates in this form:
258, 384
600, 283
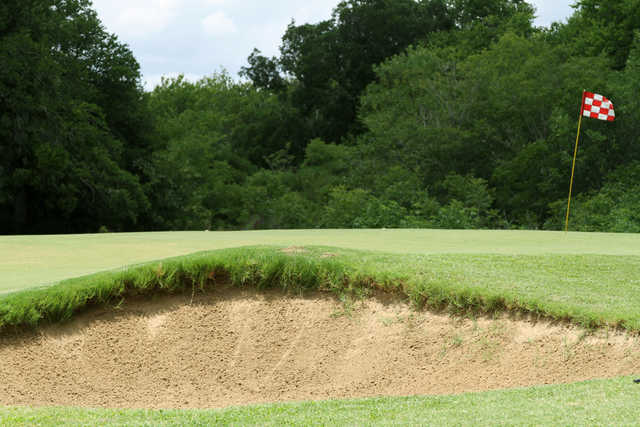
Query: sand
238, 347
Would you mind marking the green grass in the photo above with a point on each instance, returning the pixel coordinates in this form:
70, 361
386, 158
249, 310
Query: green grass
31, 261
592, 290
600, 402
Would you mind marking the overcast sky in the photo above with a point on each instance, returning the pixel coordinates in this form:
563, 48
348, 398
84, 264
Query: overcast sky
200, 37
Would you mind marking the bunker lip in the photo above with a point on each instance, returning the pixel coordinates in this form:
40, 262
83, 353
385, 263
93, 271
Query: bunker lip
235, 346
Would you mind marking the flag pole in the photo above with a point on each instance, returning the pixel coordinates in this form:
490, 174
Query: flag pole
573, 167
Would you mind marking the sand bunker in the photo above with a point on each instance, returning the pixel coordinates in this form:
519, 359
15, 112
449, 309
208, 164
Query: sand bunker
234, 347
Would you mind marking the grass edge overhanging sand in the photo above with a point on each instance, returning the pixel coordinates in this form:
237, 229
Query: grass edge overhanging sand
348, 273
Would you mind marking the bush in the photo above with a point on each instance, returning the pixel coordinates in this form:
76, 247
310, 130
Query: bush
455, 215
615, 208
293, 211
357, 208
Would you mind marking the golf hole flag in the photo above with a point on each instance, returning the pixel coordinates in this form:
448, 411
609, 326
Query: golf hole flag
597, 107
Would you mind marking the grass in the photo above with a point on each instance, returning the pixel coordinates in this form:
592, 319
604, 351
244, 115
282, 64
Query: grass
590, 279
599, 402
32, 261
591, 290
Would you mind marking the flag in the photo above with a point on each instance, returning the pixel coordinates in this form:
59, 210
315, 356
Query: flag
597, 107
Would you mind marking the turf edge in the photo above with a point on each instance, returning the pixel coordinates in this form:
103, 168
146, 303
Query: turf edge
260, 267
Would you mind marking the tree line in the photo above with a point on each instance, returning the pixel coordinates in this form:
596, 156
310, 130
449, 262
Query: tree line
391, 113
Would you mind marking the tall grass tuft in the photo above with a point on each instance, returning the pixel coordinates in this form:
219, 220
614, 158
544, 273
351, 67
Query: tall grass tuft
592, 290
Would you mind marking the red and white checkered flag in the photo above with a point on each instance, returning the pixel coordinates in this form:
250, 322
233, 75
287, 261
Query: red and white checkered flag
597, 107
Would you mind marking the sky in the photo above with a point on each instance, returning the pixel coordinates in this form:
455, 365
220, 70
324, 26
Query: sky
200, 37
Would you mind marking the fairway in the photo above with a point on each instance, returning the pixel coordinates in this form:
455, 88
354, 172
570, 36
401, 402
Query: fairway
31, 261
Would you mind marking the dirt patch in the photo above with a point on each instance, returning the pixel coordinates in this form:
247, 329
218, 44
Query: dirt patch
328, 255
294, 250
236, 347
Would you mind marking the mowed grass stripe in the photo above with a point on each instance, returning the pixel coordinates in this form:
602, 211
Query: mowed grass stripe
598, 402
592, 290
31, 261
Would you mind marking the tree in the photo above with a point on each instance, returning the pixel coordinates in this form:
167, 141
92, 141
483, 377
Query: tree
198, 179
263, 72
601, 27
331, 62
65, 87
501, 115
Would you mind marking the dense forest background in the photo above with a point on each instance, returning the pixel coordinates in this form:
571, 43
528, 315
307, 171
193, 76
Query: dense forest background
393, 113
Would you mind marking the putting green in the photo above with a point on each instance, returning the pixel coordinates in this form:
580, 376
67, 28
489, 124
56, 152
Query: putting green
31, 261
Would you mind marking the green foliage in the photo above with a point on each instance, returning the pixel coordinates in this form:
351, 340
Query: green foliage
405, 126
455, 215
395, 183
195, 179
358, 208
602, 27
471, 192
436, 112
70, 98
292, 210
480, 23
264, 198
615, 207
392, 113
263, 72
332, 60
325, 166
527, 183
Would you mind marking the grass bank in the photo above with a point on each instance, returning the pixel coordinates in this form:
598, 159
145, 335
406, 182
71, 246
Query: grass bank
601, 402
591, 290
31, 261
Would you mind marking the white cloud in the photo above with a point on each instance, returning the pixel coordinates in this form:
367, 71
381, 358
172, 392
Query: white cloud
218, 24
549, 11
182, 35
136, 19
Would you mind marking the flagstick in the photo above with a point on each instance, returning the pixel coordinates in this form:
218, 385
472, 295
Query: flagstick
573, 168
